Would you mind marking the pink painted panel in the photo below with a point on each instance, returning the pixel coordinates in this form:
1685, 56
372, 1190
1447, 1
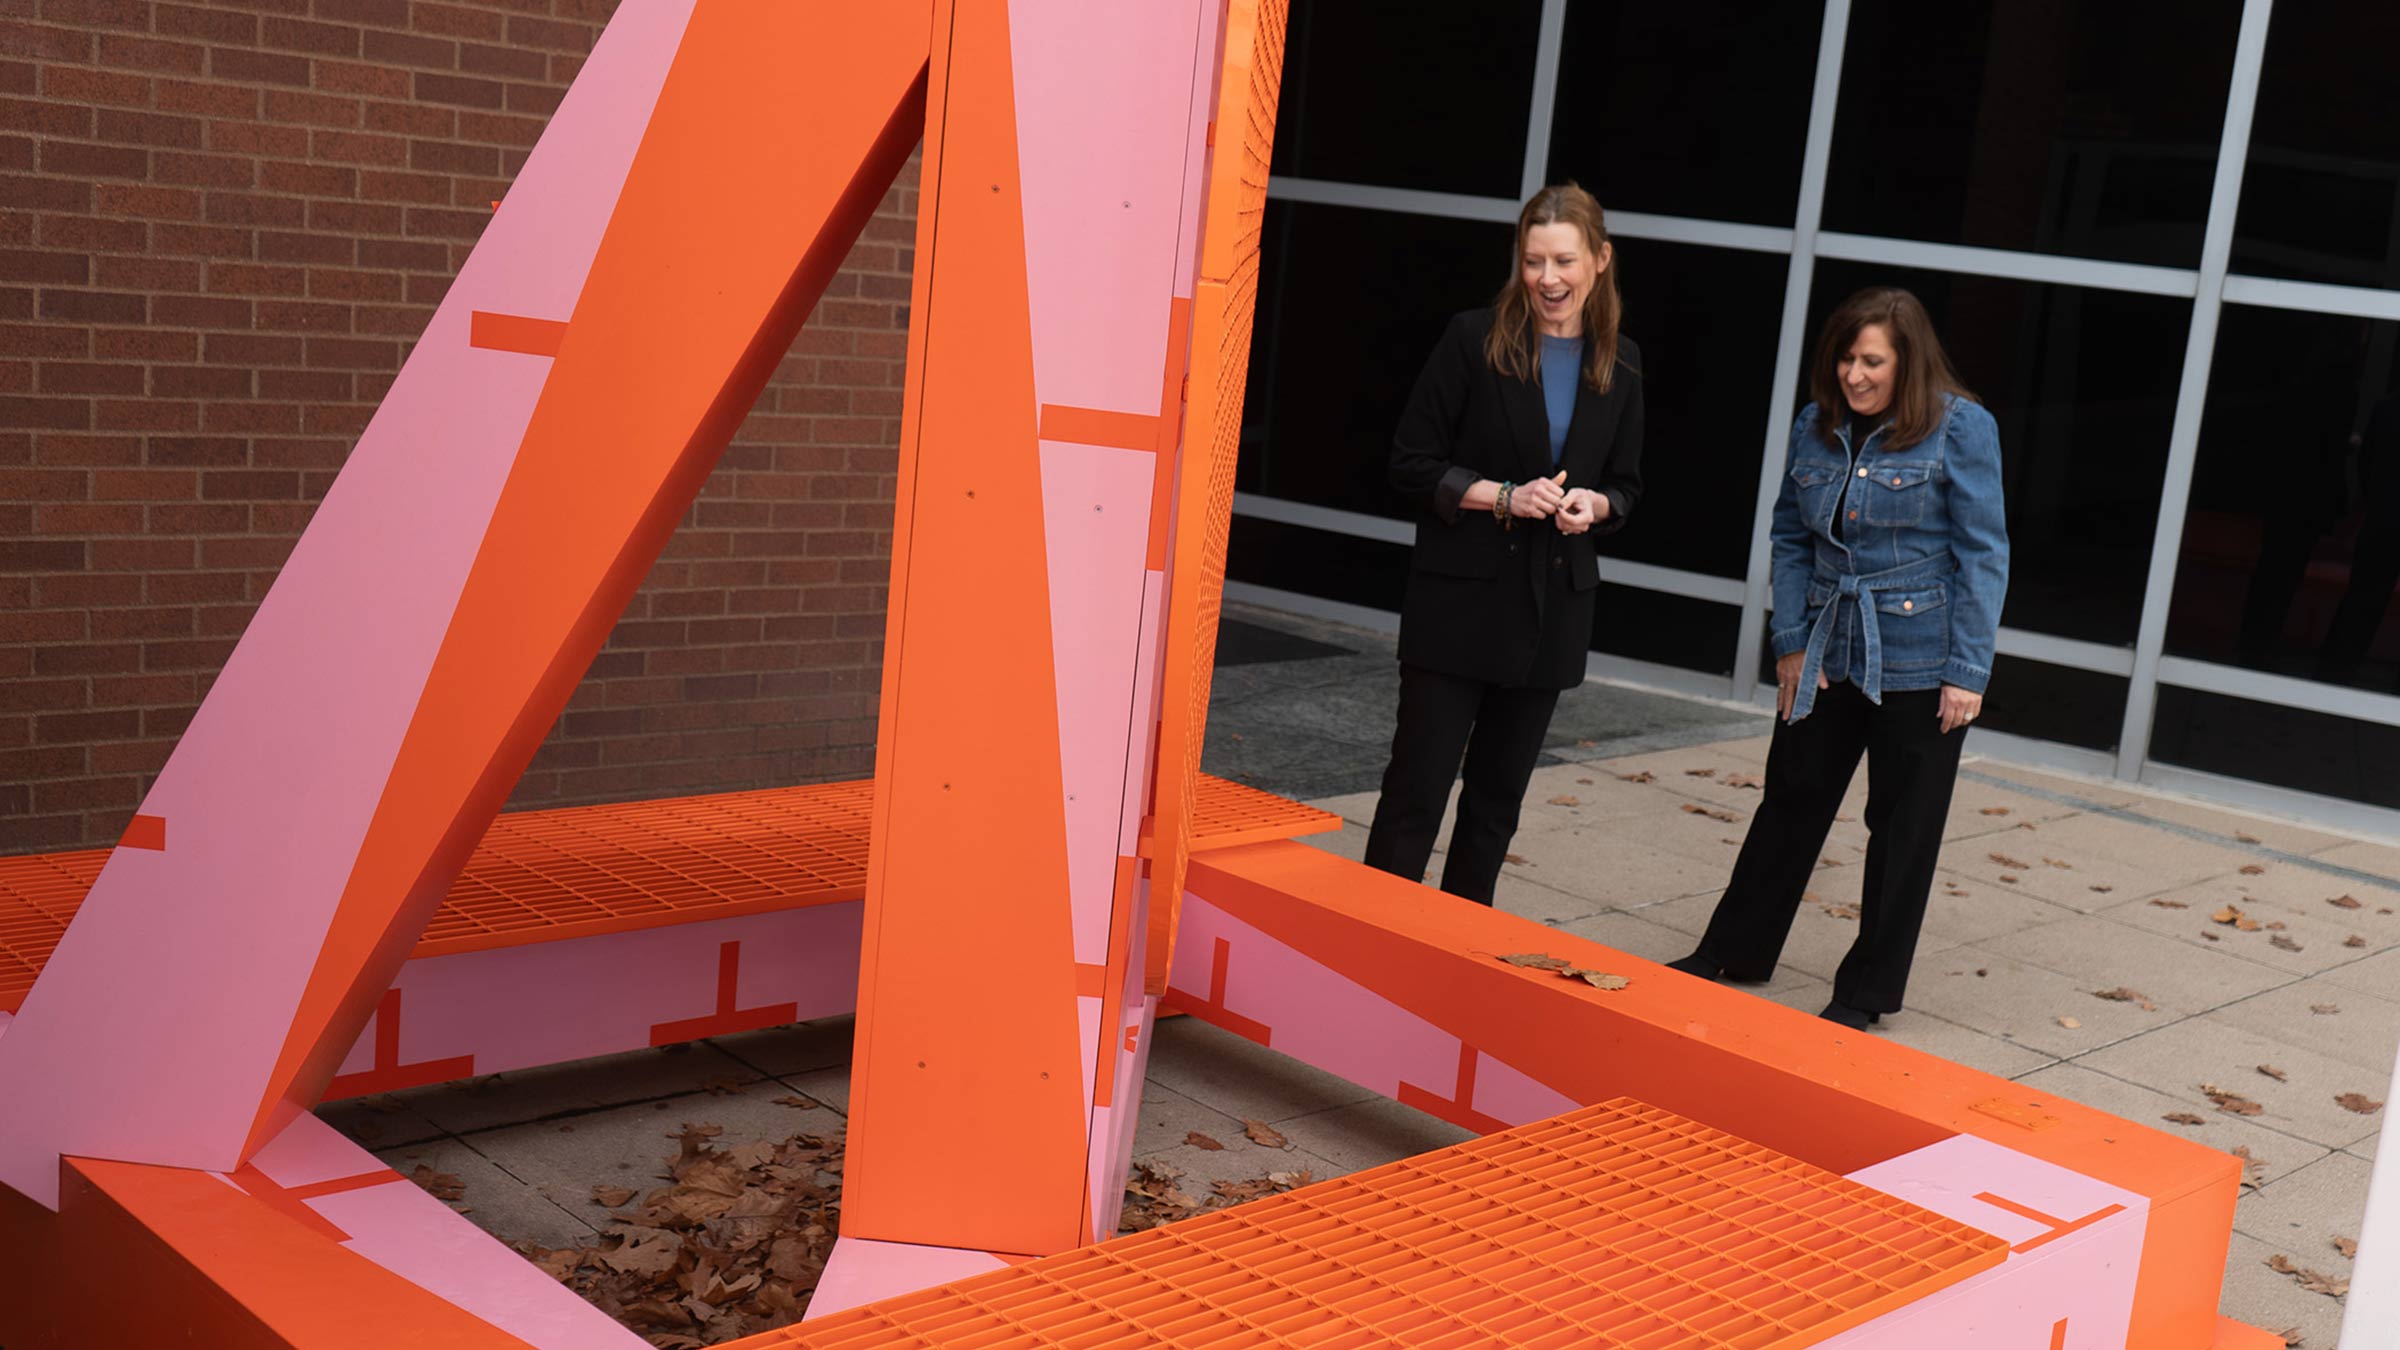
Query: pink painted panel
1096, 518
1101, 86
1503, 1093
418, 1238
309, 1151
1087, 1029
862, 1270
2085, 1279
1208, 56
504, 1006
182, 969
1317, 1016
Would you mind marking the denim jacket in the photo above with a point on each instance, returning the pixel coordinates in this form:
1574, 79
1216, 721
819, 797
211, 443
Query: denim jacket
1909, 598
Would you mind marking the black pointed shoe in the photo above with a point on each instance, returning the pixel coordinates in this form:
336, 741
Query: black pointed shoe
1697, 964
1857, 1019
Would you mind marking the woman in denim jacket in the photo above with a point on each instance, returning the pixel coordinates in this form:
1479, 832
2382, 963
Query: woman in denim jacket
1890, 562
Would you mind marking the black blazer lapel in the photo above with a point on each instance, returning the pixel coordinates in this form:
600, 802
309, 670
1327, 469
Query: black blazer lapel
1587, 435
1528, 426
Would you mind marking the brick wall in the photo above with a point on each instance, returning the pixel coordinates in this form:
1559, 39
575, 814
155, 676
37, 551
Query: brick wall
222, 224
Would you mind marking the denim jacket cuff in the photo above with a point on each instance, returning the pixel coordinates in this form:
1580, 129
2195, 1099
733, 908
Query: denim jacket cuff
1789, 640
1971, 678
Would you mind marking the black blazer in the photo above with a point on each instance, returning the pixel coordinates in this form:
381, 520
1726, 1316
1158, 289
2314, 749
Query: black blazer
1507, 606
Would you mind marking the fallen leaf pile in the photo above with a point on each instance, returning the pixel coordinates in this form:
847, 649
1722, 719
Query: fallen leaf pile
1560, 966
2233, 917
2314, 1281
2232, 1103
730, 1247
440, 1185
1153, 1199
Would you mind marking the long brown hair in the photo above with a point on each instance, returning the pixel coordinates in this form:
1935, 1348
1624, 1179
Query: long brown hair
1510, 346
1925, 373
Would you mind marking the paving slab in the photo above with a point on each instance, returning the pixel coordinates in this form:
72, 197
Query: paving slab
2176, 1060
2022, 1003
378, 1122
2100, 953
1962, 1045
2297, 941
800, 1048
1168, 1119
1614, 868
2378, 974
2362, 1030
2278, 1154
1370, 1133
493, 1198
2302, 1213
2264, 1299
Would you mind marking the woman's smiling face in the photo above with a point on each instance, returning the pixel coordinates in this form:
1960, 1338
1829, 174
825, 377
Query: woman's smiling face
1558, 269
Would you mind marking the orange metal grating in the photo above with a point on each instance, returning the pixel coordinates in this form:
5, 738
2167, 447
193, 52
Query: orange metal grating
541, 876
1616, 1225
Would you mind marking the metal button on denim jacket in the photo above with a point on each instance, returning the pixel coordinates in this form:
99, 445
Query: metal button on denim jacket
1908, 597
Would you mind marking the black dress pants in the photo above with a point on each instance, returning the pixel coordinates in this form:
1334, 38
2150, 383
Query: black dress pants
1499, 730
1911, 768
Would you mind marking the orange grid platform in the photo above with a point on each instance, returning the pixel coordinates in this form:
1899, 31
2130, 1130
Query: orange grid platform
545, 876
1619, 1224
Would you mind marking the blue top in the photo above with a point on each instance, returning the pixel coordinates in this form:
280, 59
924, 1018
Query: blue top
1562, 370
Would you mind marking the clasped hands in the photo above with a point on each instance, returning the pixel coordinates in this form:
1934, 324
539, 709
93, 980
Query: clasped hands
1957, 707
1573, 510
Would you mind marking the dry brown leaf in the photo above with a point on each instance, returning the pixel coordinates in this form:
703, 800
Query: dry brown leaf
2344, 902
2358, 1102
2354, 940
1713, 813
1242, 1192
2185, 1118
1264, 1135
1598, 979
2207, 936
1699, 773
1828, 860
2324, 1009
2314, 1281
723, 1085
1566, 799
1745, 780
645, 1251
1586, 745
1645, 776
2061, 866
2010, 877
2277, 926
1536, 960
2254, 1169
2103, 889
2272, 1072
2252, 869
796, 1102
2279, 940
1516, 859
2165, 904
1995, 810
2070, 1023
2122, 994
2008, 862
1199, 1140
2232, 1103
1585, 781
1291, 1181
2348, 1247
2245, 838
612, 1197
439, 1185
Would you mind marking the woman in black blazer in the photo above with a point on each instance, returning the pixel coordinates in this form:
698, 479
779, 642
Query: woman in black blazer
1521, 443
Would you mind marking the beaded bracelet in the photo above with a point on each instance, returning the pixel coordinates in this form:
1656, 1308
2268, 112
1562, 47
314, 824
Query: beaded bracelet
1500, 502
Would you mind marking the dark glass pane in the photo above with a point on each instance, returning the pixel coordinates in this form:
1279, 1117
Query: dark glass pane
1671, 630
2291, 546
2043, 125
2054, 703
1691, 109
1329, 566
1349, 305
1417, 94
2083, 384
2324, 170
2296, 748
1707, 321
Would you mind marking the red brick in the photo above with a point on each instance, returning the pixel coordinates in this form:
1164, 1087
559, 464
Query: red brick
207, 100
316, 39
408, 49
256, 67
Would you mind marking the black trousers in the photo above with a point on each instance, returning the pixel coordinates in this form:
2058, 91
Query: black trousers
1911, 768
1499, 730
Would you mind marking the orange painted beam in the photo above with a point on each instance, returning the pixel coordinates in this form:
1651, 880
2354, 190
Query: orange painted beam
778, 130
968, 981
